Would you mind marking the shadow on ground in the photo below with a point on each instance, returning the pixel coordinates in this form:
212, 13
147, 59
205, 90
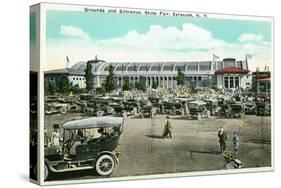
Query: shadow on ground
155, 136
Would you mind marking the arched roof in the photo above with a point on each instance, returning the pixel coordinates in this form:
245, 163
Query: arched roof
102, 67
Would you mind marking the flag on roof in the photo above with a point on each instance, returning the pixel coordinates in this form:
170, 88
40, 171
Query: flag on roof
215, 57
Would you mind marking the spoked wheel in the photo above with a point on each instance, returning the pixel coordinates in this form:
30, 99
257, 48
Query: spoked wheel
46, 172
63, 110
105, 165
99, 113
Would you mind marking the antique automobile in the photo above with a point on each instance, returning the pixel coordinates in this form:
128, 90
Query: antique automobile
237, 110
213, 106
88, 143
263, 109
147, 111
55, 104
183, 100
250, 108
98, 106
132, 107
225, 111
153, 99
173, 108
221, 102
126, 107
198, 110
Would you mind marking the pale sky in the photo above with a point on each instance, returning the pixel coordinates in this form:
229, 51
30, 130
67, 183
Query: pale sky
123, 38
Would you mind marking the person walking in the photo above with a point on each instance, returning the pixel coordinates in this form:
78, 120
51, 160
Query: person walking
236, 142
222, 139
55, 136
167, 129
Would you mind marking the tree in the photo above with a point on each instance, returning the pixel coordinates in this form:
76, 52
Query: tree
154, 85
100, 90
50, 88
75, 89
89, 77
63, 85
194, 90
141, 85
109, 83
215, 87
127, 86
180, 77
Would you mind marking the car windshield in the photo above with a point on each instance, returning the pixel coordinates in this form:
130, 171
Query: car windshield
236, 107
193, 106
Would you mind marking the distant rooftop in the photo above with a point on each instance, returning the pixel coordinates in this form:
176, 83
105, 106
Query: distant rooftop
68, 71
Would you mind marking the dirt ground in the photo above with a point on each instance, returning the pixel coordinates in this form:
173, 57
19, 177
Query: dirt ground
193, 147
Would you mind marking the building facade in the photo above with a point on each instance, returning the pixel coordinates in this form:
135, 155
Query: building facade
261, 82
228, 73
75, 76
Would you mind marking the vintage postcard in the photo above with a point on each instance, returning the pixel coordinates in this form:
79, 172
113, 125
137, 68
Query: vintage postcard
125, 93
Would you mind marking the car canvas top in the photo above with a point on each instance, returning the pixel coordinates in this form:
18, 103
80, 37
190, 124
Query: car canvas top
198, 102
94, 122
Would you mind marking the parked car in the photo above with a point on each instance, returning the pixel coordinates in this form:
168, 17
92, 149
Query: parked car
263, 109
250, 108
98, 106
126, 107
81, 151
225, 111
212, 105
198, 110
237, 110
54, 104
221, 102
147, 111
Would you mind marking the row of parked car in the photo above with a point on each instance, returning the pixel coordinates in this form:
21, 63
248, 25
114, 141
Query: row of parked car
92, 105
194, 108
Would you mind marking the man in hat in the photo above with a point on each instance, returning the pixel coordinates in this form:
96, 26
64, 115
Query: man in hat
167, 129
222, 139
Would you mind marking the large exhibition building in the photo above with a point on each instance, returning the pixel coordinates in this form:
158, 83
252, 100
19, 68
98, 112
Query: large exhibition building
228, 73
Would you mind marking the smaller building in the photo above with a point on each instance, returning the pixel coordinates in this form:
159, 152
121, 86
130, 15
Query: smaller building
75, 76
262, 82
233, 77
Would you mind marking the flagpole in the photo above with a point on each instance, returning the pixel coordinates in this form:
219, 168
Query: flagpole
246, 59
67, 62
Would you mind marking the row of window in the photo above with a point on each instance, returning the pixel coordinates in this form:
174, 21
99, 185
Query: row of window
231, 82
76, 78
195, 78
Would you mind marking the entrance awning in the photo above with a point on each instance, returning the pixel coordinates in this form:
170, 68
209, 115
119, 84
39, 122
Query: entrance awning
265, 79
232, 70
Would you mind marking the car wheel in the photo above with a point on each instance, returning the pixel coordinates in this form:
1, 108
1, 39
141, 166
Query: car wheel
63, 110
99, 113
105, 165
46, 172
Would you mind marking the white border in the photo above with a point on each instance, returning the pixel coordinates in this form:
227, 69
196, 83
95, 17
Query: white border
75, 7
